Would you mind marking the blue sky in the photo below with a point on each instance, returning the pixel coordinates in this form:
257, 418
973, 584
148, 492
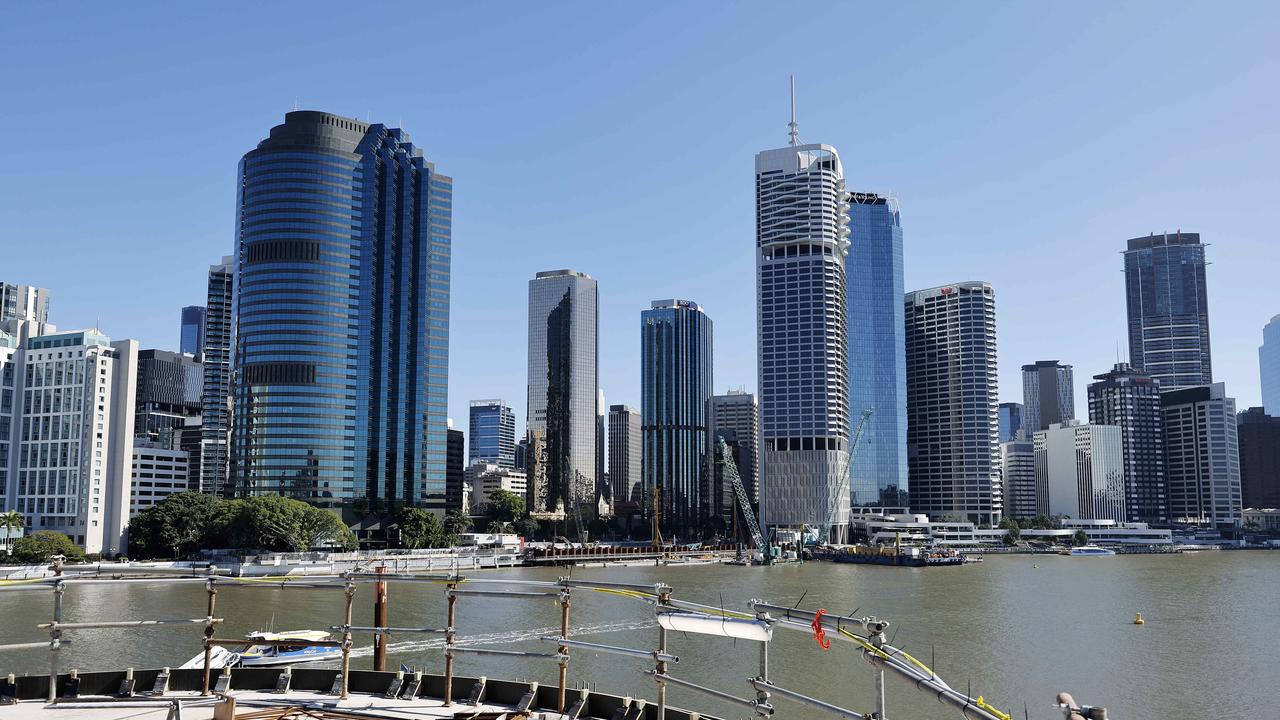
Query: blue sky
1027, 142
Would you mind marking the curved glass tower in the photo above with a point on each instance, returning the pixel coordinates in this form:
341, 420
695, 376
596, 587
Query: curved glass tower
341, 351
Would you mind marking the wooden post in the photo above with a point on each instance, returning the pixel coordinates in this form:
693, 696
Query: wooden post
564, 649
208, 634
380, 620
346, 641
450, 636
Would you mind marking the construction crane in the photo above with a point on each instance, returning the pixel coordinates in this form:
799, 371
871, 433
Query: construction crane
744, 503
837, 494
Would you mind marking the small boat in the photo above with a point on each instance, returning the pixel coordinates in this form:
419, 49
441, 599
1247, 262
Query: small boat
1089, 550
252, 655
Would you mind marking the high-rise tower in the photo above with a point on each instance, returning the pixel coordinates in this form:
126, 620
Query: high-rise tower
493, 433
801, 298
342, 342
953, 425
1164, 282
191, 340
215, 397
877, 351
1130, 399
1269, 367
563, 369
1048, 395
676, 383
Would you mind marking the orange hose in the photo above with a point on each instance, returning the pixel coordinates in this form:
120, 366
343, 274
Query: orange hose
819, 634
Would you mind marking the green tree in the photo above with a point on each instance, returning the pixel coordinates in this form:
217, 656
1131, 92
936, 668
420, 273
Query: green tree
177, 526
281, 524
1013, 531
504, 506
456, 522
496, 526
9, 522
418, 528
1080, 538
526, 528
42, 545
323, 528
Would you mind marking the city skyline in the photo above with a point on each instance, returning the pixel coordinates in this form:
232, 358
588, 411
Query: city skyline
1120, 177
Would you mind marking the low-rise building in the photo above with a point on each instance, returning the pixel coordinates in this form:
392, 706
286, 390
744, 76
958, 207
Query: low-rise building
1267, 519
158, 472
484, 479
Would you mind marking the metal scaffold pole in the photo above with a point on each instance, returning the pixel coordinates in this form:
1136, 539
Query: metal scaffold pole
212, 590
55, 641
664, 597
564, 649
450, 636
380, 620
346, 640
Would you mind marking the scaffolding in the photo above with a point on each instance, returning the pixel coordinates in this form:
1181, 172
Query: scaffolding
757, 623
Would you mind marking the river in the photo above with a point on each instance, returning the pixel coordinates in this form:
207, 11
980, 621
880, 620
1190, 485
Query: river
1016, 628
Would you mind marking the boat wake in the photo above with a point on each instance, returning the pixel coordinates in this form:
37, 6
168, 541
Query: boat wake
503, 638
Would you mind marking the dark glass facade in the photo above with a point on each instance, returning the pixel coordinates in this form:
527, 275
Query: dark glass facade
1164, 281
563, 409
877, 352
1010, 421
1259, 436
492, 428
215, 401
455, 469
1048, 395
1130, 399
167, 395
191, 340
342, 319
675, 386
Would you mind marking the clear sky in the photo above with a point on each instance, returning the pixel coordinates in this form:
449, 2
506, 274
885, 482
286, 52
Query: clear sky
1027, 141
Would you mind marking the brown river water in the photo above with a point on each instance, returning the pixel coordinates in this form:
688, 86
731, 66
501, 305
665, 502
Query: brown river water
1015, 629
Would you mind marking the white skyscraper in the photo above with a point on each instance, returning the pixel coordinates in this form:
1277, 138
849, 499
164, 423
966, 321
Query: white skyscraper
1079, 470
801, 243
71, 419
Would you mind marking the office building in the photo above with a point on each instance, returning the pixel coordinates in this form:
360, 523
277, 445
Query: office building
1048, 395
877, 352
70, 431
626, 449
802, 340
676, 385
562, 414
342, 316
191, 339
1010, 421
604, 493
492, 431
10, 403
1023, 498
522, 455
169, 387
1269, 367
485, 479
23, 302
1164, 277
455, 468
1081, 471
1259, 436
216, 366
158, 472
1130, 400
1202, 456
953, 419
735, 418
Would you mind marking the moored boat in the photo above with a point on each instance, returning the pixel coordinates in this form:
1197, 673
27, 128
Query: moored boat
1089, 550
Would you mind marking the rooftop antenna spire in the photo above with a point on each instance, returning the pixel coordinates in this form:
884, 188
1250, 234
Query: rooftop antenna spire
795, 132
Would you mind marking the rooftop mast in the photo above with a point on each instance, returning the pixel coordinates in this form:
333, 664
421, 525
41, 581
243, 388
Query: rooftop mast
795, 132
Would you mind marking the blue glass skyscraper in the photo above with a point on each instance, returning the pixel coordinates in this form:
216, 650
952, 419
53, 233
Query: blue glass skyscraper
492, 430
342, 342
676, 383
1269, 366
877, 352
1168, 306
192, 338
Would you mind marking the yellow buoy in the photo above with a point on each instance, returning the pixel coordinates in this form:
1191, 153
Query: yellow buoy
1137, 619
